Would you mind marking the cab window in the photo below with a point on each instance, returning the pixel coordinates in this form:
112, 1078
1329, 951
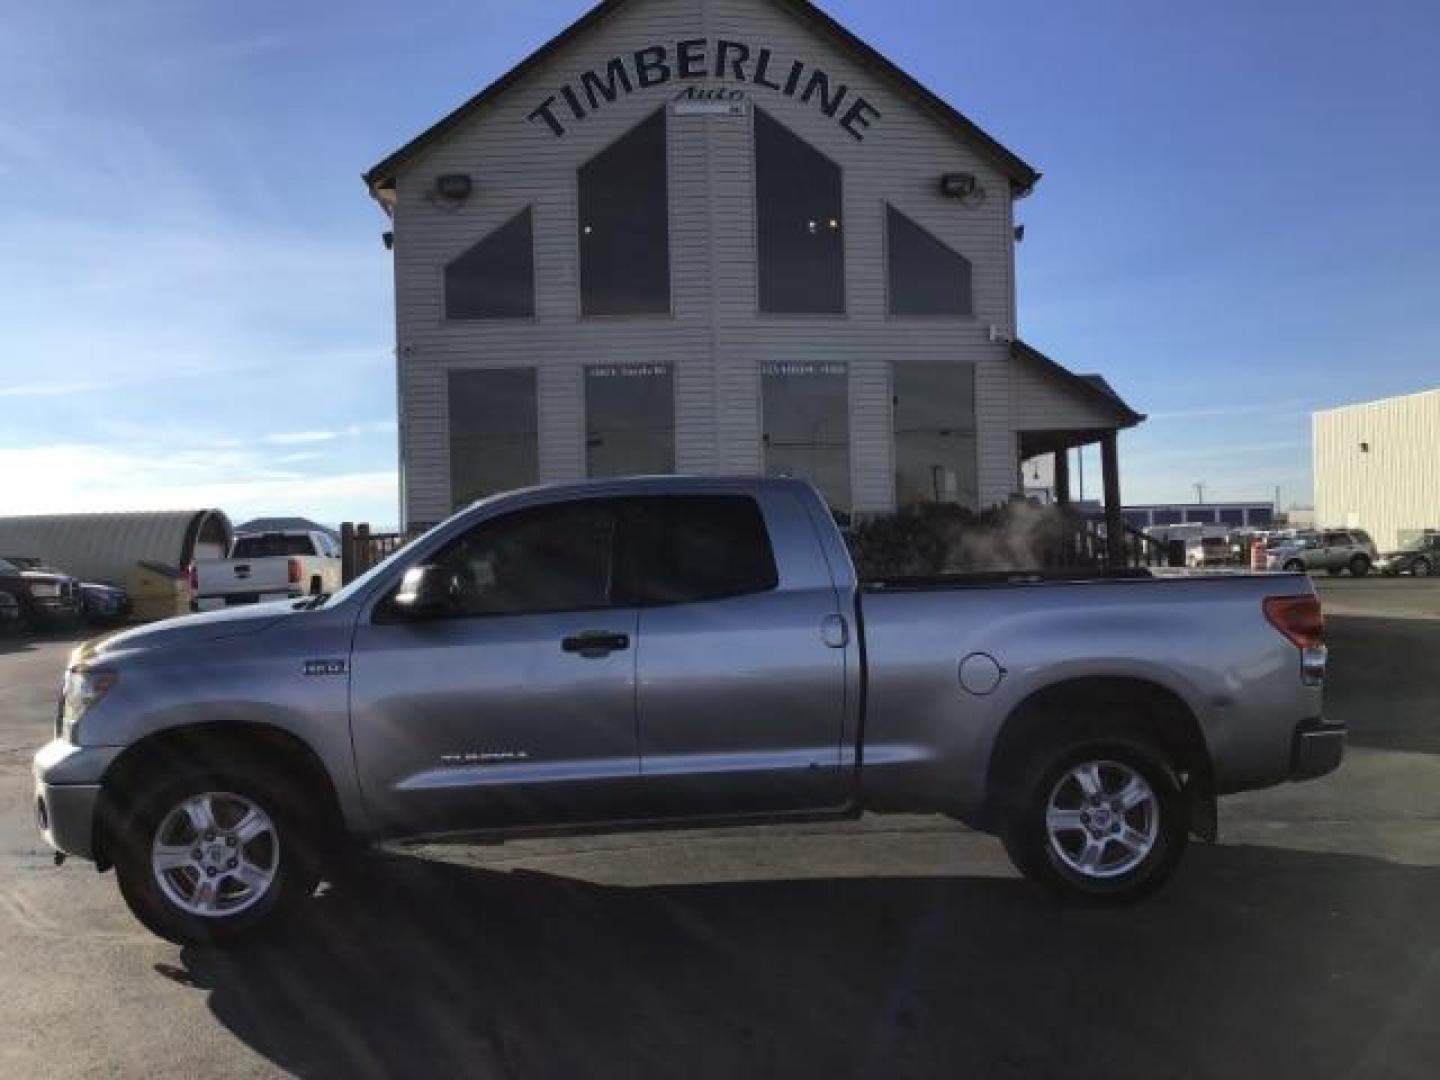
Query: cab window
688, 549
543, 561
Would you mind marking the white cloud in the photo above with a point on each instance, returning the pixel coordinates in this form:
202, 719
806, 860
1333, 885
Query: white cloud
73, 477
50, 389
300, 438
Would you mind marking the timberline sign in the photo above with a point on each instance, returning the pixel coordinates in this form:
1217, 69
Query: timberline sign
702, 59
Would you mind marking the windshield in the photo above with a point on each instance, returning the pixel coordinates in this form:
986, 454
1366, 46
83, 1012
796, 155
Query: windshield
8, 569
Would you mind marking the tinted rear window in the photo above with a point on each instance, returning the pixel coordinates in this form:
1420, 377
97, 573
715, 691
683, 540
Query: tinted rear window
693, 548
270, 546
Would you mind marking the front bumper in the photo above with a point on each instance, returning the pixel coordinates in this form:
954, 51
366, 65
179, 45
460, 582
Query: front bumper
67, 789
1317, 751
54, 609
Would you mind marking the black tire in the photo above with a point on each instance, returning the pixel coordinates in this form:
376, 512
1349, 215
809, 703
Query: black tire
1422, 568
1359, 566
1034, 852
298, 860
1295, 566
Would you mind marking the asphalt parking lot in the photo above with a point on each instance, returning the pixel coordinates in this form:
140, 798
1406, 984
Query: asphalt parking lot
1304, 944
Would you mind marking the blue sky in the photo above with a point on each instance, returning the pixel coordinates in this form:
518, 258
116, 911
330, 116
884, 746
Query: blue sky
1237, 225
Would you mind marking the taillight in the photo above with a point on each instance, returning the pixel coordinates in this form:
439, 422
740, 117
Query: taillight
194, 572
296, 572
1302, 622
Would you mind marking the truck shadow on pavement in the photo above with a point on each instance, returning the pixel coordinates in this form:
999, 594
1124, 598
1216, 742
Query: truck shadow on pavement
1255, 962
1384, 681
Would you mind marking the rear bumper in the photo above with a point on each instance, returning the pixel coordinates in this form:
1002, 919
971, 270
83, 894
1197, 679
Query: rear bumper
245, 599
1318, 751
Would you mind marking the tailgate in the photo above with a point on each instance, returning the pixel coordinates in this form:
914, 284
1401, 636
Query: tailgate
246, 580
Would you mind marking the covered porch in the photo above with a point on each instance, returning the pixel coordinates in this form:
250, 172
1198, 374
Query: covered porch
1058, 411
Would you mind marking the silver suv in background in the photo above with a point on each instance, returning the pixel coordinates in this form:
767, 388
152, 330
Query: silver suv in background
1333, 550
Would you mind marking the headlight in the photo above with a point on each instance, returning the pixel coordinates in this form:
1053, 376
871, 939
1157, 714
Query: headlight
83, 689
45, 589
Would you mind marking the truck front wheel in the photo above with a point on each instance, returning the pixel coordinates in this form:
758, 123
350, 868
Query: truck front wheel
1100, 820
211, 858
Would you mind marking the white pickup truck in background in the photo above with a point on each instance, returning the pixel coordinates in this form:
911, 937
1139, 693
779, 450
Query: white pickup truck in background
268, 566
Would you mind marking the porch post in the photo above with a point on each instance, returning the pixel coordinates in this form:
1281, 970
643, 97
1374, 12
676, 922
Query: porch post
1062, 477
1114, 519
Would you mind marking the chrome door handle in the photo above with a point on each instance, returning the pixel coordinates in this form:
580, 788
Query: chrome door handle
835, 631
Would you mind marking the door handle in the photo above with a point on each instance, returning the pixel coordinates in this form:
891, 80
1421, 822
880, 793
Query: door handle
835, 631
597, 645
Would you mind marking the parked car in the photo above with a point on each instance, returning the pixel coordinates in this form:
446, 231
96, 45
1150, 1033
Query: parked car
44, 596
99, 603
678, 652
1420, 557
9, 613
102, 604
269, 566
1209, 551
1333, 550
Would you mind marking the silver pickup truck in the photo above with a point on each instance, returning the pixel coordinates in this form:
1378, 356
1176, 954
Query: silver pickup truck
667, 653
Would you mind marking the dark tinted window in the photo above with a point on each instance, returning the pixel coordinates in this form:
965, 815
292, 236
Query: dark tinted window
494, 442
926, 276
807, 426
629, 420
1137, 519
625, 226
1232, 517
1262, 518
551, 559
495, 279
800, 221
691, 548
8, 569
1205, 517
1168, 517
271, 545
934, 414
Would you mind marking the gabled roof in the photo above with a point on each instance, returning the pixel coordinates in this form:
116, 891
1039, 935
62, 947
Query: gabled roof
1022, 176
1093, 387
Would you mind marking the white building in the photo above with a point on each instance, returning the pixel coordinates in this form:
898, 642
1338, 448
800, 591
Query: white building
1377, 467
719, 237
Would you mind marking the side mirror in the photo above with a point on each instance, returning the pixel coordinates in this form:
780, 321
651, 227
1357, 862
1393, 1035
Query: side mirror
428, 592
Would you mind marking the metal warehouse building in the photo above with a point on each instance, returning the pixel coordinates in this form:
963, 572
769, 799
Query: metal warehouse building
713, 237
106, 547
1377, 467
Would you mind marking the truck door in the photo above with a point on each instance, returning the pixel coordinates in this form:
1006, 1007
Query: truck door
743, 656
520, 707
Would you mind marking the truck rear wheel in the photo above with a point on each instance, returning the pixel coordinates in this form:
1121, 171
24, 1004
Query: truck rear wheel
1099, 819
212, 858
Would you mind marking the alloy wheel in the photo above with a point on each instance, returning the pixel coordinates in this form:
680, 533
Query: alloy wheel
216, 854
1102, 819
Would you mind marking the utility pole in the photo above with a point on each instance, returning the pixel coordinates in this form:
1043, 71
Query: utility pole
1200, 492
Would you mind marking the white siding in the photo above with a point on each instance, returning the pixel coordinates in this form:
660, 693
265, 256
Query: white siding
1393, 488
1041, 402
715, 338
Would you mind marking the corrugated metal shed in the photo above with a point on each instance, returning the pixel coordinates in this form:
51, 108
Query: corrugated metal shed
104, 547
1377, 467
